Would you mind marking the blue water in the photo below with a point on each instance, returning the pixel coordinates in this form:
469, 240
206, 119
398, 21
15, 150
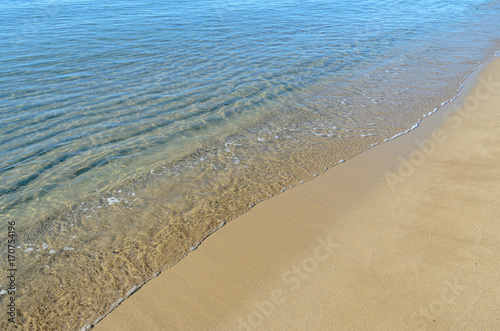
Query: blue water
130, 130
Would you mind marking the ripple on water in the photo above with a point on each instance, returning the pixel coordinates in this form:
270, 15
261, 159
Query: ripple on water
131, 133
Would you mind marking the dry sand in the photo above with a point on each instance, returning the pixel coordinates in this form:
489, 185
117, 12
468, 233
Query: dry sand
405, 236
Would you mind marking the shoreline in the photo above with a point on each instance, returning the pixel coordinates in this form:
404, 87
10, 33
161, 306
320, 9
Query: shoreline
292, 259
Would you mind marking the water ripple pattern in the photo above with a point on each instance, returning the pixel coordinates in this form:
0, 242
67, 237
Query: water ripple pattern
131, 130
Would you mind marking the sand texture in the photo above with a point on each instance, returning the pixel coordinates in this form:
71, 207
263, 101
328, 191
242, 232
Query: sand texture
405, 236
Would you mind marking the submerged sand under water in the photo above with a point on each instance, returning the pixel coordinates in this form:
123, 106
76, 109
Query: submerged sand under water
96, 218
401, 237
114, 241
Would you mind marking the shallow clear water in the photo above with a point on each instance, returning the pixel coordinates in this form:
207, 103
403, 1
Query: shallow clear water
130, 130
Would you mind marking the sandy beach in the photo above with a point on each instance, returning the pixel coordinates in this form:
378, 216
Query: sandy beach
404, 236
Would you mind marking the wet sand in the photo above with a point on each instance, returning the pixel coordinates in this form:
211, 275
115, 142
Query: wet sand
405, 236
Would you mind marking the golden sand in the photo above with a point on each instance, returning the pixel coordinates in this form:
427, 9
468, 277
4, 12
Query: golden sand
405, 236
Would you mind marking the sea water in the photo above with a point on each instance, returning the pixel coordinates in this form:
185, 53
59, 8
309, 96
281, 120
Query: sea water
131, 130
